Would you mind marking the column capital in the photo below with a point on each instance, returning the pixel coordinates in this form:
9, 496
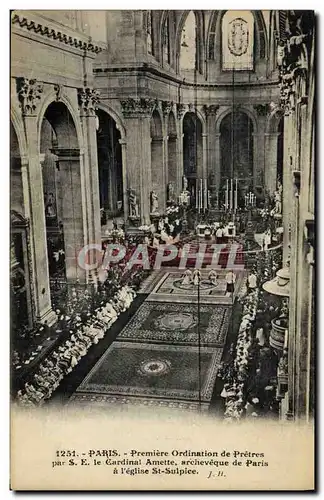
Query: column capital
262, 109
139, 107
88, 100
181, 109
122, 142
166, 107
204, 135
29, 94
211, 110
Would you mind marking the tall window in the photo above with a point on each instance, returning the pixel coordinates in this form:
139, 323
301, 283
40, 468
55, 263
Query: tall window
188, 44
238, 40
166, 41
149, 32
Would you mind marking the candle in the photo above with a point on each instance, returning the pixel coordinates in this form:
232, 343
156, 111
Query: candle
205, 194
226, 195
235, 201
231, 195
197, 193
286, 340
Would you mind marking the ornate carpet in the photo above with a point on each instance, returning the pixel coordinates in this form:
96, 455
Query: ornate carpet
177, 324
166, 285
163, 375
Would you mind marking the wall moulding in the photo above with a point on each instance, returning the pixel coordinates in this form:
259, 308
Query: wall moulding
35, 24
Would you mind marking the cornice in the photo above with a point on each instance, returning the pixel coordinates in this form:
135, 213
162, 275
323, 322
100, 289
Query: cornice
46, 29
153, 71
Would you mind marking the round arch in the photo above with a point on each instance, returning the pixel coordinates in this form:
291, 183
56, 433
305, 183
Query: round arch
111, 168
171, 124
228, 110
156, 124
116, 117
50, 98
273, 120
200, 117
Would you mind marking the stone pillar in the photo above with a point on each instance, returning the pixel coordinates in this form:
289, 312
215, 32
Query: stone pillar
218, 161
157, 170
29, 93
271, 161
287, 194
74, 212
137, 114
205, 156
258, 159
123, 145
212, 142
89, 178
180, 169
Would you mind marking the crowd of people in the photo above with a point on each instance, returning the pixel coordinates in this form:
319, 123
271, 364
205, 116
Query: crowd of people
249, 375
68, 354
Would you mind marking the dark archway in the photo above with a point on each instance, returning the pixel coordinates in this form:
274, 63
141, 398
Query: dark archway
60, 157
236, 147
110, 167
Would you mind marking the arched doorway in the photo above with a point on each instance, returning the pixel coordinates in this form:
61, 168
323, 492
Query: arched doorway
192, 150
236, 148
172, 153
63, 196
157, 165
110, 168
21, 307
52, 191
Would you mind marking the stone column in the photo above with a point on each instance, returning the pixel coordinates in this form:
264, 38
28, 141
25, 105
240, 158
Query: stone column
218, 160
137, 114
212, 141
205, 156
29, 93
88, 100
74, 212
258, 159
123, 145
180, 169
271, 161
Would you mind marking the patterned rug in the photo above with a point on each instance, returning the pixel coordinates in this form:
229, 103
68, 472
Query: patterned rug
168, 285
134, 372
177, 324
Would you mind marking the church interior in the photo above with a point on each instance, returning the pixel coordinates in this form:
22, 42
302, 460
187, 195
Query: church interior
140, 142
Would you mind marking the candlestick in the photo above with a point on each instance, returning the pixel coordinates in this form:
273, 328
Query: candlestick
197, 193
235, 200
205, 194
226, 195
231, 196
